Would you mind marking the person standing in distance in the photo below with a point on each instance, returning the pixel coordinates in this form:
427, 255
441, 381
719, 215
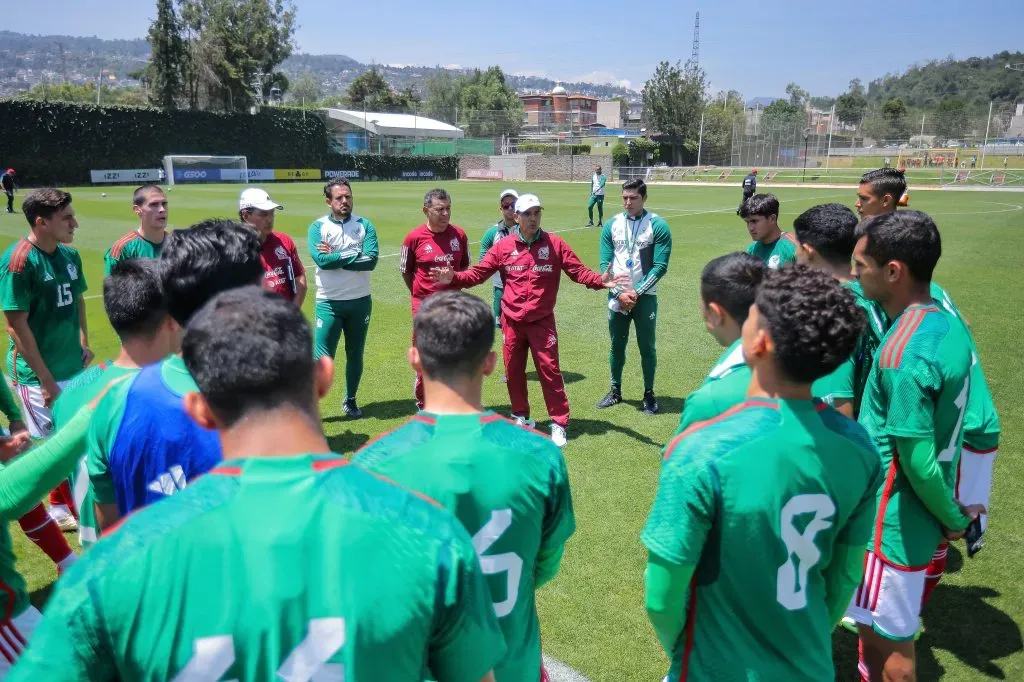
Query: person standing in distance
436, 243
509, 486
531, 263
749, 188
146, 241
757, 531
344, 247
638, 243
597, 183
495, 233
7, 184
283, 271
42, 287
350, 576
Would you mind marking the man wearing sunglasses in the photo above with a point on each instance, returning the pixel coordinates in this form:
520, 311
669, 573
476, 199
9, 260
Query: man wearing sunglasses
494, 234
282, 268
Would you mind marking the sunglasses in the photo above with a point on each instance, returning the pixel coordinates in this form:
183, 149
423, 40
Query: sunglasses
505, 207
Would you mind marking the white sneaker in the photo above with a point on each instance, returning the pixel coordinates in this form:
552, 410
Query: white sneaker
558, 435
63, 518
524, 421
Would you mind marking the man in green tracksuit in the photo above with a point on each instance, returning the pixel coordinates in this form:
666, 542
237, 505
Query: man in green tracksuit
639, 243
596, 197
344, 248
494, 234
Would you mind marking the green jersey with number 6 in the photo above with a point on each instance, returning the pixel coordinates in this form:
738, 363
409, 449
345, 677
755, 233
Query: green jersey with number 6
756, 500
295, 568
981, 421
47, 287
917, 389
509, 487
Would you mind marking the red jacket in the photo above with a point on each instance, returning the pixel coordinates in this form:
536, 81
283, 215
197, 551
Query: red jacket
531, 274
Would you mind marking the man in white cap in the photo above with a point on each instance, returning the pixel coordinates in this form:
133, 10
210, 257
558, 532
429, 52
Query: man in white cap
282, 267
344, 247
531, 262
495, 233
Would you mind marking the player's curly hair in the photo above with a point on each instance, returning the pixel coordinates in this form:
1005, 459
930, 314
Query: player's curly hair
814, 322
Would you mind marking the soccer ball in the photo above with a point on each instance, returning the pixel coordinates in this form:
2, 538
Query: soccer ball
103, 194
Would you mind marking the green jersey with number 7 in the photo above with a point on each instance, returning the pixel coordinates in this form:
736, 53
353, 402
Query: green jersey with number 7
917, 389
757, 500
293, 568
510, 488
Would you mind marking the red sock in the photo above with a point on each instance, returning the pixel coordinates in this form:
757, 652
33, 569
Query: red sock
936, 568
862, 666
62, 495
42, 530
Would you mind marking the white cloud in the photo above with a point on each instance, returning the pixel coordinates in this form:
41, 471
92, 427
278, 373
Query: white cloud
603, 77
532, 74
453, 66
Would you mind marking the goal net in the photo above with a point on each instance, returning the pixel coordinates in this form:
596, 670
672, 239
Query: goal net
198, 168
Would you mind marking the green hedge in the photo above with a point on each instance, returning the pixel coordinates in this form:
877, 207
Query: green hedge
58, 143
553, 149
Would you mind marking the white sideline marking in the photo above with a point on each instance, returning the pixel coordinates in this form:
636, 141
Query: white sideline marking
559, 672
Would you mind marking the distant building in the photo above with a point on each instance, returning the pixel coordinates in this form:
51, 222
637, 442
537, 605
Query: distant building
558, 108
609, 114
1016, 128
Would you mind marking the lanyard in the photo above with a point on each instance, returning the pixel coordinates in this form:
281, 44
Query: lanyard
636, 231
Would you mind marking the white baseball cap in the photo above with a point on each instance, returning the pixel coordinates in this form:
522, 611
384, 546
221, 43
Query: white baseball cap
509, 193
526, 202
254, 197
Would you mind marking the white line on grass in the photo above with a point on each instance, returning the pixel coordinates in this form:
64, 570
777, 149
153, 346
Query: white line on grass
559, 672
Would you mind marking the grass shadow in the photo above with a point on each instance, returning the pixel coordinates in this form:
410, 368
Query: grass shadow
666, 404
39, 597
598, 427
387, 409
347, 443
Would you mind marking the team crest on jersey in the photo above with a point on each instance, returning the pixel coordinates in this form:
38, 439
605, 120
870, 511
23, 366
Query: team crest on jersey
773, 262
454, 243
281, 253
543, 253
72, 271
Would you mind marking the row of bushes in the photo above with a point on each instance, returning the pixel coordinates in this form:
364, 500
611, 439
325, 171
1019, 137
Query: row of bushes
58, 143
552, 149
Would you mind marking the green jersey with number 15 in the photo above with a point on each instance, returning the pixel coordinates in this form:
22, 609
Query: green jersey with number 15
756, 500
284, 568
47, 287
509, 487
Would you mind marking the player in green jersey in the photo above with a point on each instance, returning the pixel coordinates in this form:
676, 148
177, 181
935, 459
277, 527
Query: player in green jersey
495, 233
757, 532
880, 192
728, 287
147, 240
22, 482
913, 407
773, 246
825, 235
508, 485
137, 309
597, 183
637, 243
285, 562
42, 289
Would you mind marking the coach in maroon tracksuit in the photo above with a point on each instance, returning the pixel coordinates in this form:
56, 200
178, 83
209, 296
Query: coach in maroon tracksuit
530, 262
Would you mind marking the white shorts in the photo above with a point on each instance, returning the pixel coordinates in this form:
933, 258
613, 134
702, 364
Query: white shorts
38, 417
974, 478
888, 599
14, 637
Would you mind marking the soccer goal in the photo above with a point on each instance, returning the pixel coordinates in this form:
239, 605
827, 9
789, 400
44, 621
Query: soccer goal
180, 168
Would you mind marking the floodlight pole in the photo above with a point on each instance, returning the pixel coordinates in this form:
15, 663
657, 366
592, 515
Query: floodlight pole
831, 120
807, 138
988, 124
700, 139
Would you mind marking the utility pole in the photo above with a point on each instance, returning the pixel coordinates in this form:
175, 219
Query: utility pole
700, 139
988, 125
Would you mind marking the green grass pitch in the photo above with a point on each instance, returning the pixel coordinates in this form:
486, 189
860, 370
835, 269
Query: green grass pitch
592, 614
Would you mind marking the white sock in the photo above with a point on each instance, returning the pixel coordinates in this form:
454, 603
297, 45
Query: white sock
59, 510
66, 562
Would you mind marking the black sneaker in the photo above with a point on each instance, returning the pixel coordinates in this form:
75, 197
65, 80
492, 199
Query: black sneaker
351, 409
600, 224
590, 224
650, 404
614, 397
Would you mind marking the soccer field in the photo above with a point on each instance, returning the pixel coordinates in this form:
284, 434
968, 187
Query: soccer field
592, 614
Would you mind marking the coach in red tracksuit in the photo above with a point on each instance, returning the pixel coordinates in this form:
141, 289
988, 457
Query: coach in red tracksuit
530, 262
436, 243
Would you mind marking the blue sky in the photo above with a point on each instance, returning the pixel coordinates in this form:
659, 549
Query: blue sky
752, 46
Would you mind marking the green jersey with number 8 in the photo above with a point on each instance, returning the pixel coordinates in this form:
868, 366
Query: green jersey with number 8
917, 389
296, 568
510, 488
756, 499
47, 287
